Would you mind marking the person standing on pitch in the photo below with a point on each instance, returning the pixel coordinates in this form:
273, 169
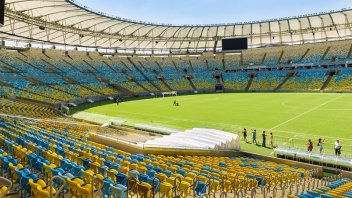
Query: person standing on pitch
310, 145
271, 140
254, 136
320, 145
337, 147
264, 139
244, 134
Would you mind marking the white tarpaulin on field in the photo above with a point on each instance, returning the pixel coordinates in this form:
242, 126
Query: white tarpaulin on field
197, 138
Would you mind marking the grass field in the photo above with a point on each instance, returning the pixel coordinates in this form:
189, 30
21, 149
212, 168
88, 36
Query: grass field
292, 117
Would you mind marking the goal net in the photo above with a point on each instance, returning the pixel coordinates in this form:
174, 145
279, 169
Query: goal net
169, 93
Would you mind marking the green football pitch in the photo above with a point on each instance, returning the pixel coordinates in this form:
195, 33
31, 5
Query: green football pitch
292, 117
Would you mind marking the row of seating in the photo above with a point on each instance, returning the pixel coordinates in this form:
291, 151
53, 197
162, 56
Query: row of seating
47, 150
55, 76
16, 107
340, 188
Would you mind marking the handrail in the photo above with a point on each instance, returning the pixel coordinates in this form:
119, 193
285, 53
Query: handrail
128, 186
9, 183
51, 186
176, 187
94, 179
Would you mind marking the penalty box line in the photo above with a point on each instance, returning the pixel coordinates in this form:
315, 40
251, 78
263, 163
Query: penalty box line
306, 112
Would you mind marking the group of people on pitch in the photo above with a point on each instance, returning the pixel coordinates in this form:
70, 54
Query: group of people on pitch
254, 137
337, 146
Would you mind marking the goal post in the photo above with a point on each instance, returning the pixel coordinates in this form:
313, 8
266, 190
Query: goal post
169, 93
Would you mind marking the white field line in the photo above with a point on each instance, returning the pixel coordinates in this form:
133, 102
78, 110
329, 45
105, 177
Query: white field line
304, 113
220, 124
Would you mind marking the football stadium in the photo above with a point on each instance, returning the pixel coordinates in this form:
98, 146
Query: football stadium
96, 105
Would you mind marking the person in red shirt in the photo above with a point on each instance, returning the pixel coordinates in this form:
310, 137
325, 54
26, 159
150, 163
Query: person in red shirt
310, 145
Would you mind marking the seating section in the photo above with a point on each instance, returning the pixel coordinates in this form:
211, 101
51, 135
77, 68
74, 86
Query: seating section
33, 152
55, 76
341, 82
235, 81
18, 108
339, 188
268, 80
308, 80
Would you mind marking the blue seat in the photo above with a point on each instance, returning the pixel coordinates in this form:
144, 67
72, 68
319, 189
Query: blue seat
200, 188
313, 193
121, 178
86, 163
151, 173
77, 171
103, 170
155, 183
143, 178
7, 161
223, 164
179, 164
158, 169
32, 159
167, 173
168, 164
64, 163
149, 166
181, 172
133, 173
118, 191
107, 187
108, 163
25, 181
40, 164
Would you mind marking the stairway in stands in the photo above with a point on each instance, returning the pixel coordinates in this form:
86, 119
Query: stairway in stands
251, 77
328, 80
192, 84
143, 74
116, 87
139, 84
288, 76
166, 85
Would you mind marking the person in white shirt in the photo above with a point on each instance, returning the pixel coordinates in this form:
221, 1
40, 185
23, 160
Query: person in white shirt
337, 147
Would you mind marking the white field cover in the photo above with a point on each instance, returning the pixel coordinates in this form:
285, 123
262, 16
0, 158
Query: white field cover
198, 138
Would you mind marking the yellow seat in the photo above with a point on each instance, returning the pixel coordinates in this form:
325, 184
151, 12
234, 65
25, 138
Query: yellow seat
173, 181
34, 186
87, 176
45, 192
161, 176
133, 166
202, 178
125, 163
142, 169
3, 191
144, 190
13, 175
132, 186
111, 158
94, 166
73, 185
184, 189
124, 170
191, 175
214, 185
47, 170
166, 190
85, 191
111, 174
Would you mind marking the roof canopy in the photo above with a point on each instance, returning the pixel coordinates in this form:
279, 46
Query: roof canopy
67, 22
197, 138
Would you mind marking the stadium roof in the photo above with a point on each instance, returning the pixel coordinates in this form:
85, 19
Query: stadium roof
68, 22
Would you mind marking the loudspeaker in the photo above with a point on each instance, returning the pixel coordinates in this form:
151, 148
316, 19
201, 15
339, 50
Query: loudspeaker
2, 12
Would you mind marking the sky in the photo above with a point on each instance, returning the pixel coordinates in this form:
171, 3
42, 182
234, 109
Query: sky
211, 11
